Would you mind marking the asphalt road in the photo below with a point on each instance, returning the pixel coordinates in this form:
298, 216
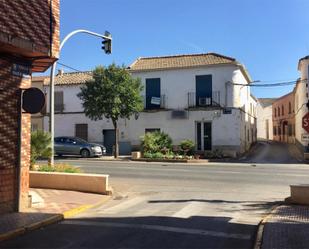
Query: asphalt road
160, 205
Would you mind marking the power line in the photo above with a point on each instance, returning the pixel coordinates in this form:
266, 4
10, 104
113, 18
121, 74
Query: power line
72, 68
284, 83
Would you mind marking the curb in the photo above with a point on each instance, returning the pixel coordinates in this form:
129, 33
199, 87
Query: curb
260, 230
51, 220
31, 227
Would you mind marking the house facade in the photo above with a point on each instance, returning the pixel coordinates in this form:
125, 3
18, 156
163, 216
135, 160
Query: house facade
301, 99
265, 118
201, 97
283, 115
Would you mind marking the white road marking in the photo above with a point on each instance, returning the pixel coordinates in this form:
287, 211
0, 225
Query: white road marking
159, 228
123, 205
191, 209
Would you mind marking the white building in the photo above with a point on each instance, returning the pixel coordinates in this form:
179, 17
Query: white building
202, 97
265, 118
301, 98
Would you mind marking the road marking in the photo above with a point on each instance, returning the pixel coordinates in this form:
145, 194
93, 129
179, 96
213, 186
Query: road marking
189, 210
123, 205
159, 228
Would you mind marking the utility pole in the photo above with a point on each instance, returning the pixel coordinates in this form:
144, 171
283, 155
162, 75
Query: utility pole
107, 42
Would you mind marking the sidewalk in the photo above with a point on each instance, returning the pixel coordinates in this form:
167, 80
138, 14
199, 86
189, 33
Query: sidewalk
48, 206
287, 227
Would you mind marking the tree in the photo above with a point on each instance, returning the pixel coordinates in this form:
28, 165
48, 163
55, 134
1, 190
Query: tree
112, 93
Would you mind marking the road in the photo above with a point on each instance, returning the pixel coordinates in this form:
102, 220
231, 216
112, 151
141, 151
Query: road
160, 205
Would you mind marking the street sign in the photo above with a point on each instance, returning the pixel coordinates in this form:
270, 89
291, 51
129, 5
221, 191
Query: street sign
20, 70
155, 100
305, 122
33, 100
305, 137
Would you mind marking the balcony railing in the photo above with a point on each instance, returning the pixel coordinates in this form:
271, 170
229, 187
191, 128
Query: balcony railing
153, 103
203, 101
59, 108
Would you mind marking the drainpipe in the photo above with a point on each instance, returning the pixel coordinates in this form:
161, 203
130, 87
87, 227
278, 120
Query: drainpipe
226, 90
18, 173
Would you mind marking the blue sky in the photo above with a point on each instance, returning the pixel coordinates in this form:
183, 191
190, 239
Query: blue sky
267, 36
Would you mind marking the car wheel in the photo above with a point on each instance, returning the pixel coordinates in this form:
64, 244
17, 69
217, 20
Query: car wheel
85, 153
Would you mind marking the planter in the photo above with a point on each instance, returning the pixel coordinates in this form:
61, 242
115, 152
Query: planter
91, 183
170, 160
299, 194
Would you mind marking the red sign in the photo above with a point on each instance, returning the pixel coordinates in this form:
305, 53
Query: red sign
306, 122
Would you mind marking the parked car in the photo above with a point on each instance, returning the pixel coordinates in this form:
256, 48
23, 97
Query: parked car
77, 146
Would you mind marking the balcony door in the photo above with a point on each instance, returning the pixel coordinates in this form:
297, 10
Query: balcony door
203, 136
203, 86
153, 93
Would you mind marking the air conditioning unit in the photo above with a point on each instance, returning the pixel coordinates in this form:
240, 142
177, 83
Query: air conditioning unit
204, 101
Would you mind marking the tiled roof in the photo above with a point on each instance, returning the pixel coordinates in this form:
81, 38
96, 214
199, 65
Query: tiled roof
71, 78
179, 61
267, 101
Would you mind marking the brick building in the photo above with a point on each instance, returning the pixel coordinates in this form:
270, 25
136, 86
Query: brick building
29, 42
284, 118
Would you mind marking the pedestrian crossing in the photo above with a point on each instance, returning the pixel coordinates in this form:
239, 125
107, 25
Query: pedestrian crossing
200, 216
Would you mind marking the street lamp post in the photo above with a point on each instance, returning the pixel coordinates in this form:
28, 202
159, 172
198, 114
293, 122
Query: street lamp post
107, 38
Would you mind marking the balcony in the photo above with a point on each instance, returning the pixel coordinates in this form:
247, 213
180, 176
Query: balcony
154, 103
203, 101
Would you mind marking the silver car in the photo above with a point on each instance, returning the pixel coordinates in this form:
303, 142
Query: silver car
77, 146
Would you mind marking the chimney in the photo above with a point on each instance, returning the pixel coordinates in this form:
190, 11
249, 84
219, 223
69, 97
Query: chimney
60, 72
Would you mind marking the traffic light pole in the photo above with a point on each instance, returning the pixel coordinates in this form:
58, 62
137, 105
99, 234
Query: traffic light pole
106, 36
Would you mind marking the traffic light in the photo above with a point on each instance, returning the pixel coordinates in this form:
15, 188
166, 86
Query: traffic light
107, 45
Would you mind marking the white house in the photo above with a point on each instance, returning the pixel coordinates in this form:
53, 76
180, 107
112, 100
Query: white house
264, 119
202, 97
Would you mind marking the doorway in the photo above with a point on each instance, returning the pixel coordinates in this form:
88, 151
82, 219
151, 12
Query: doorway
203, 136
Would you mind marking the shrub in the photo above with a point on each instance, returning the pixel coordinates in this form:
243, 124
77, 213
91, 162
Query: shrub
153, 155
66, 168
40, 146
187, 146
157, 141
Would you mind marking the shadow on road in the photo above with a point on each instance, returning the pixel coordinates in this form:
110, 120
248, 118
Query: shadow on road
140, 232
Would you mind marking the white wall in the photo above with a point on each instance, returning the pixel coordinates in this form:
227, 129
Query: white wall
176, 84
71, 102
300, 100
263, 114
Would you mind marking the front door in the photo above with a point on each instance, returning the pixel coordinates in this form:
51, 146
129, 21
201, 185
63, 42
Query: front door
203, 135
109, 140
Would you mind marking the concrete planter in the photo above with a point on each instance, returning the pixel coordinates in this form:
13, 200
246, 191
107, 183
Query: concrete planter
170, 160
299, 194
91, 183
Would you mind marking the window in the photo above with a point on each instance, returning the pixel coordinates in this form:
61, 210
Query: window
153, 93
203, 88
275, 131
59, 106
81, 131
152, 130
290, 108
282, 110
279, 130
248, 136
275, 112
278, 111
